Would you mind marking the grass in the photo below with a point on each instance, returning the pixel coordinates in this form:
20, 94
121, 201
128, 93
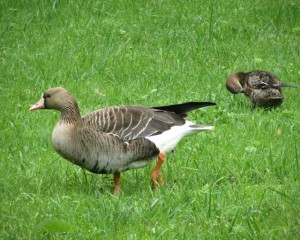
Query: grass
240, 181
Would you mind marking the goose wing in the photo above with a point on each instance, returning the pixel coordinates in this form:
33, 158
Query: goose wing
132, 122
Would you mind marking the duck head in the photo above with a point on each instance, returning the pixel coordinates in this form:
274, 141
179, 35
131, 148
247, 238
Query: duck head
235, 83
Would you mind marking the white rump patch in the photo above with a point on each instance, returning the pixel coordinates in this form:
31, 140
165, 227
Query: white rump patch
167, 140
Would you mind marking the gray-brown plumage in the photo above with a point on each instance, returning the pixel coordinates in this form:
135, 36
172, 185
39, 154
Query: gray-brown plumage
116, 139
261, 87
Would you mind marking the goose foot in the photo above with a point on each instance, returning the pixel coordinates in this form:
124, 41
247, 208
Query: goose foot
117, 177
156, 174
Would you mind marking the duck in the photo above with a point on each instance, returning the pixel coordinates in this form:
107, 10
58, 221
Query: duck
115, 139
263, 88
266, 98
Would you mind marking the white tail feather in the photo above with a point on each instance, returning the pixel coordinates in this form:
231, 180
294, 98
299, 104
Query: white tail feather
167, 140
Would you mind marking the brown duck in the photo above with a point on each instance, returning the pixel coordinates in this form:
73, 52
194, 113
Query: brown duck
263, 88
115, 139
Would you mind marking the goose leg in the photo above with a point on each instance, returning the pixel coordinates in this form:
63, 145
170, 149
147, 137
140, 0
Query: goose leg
156, 174
117, 183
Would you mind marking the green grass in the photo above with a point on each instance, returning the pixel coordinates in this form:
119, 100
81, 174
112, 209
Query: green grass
240, 181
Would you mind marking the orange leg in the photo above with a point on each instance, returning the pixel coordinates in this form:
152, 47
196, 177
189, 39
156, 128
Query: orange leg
117, 177
156, 174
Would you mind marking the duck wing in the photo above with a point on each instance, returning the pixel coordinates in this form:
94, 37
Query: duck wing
264, 80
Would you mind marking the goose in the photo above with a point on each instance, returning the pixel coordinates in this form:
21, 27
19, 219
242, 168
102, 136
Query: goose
116, 139
262, 87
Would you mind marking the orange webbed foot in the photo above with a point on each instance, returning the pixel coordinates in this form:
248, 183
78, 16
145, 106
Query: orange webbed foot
117, 177
156, 175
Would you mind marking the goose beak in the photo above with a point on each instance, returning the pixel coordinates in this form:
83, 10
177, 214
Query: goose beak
39, 105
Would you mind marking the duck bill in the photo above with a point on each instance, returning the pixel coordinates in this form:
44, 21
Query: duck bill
39, 105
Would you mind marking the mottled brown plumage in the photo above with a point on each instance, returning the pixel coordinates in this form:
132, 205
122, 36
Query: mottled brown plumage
116, 139
261, 87
268, 98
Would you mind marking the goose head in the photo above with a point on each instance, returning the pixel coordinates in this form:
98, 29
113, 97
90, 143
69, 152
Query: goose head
59, 99
54, 98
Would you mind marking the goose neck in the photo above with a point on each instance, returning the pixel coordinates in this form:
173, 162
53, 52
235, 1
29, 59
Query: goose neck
70, 114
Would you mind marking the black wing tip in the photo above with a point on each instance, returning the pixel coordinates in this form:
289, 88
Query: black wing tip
195, 105
204, 104
183, 108
187, 104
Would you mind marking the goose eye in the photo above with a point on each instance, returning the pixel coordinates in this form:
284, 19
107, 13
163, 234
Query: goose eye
46, 95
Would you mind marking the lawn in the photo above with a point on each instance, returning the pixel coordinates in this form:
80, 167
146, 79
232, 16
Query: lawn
240, 181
